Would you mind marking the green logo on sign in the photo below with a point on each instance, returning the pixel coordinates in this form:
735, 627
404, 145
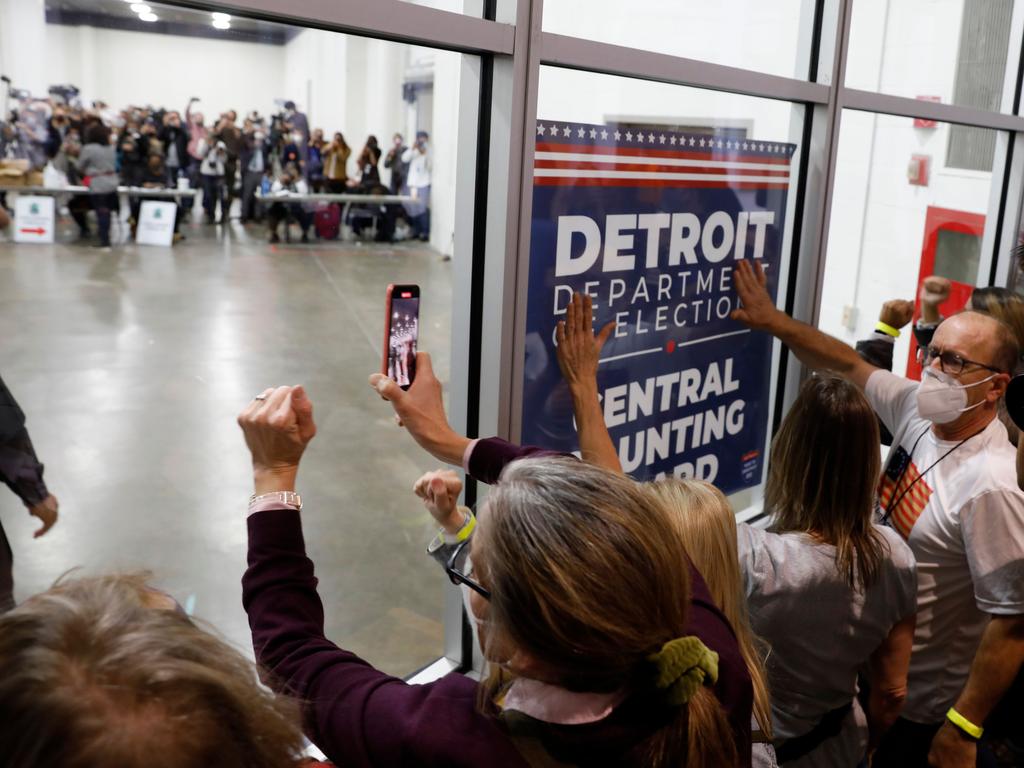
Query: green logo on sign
34, 210
157, 213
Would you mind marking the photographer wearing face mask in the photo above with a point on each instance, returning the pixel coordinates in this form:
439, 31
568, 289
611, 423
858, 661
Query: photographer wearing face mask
949, 488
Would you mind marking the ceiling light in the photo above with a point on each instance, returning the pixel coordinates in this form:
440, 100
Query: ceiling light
148, 16
217, 16
140, 8
221, 24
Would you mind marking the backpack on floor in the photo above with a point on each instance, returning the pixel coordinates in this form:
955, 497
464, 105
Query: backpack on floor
327, 221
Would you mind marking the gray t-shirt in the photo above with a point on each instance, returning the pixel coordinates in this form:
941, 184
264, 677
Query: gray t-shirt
820, 630
99, 163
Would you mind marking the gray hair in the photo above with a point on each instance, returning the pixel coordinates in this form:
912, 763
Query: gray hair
93, 674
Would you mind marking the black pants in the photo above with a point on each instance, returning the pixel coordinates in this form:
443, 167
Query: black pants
251, 209
78, 207
230, 176
103, 204
279, 212
906, 745
213, 193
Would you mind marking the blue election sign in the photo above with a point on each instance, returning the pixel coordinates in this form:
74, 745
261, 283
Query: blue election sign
650, 223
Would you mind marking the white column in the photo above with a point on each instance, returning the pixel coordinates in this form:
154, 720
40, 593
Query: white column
23, 44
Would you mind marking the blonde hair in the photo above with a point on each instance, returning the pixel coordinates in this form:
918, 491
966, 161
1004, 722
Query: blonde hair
589, 577
92, 675
707, 523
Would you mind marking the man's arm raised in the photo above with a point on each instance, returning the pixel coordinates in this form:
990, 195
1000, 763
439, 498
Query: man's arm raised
813, 348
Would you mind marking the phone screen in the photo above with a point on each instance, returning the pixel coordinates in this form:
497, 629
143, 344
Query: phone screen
403, 334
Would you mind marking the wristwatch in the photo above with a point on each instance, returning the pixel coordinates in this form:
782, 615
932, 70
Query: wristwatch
291, 498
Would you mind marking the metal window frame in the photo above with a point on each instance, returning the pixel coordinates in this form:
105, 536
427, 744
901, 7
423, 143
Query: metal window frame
515, 47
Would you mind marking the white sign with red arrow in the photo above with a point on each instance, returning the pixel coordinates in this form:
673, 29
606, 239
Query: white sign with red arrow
33, 219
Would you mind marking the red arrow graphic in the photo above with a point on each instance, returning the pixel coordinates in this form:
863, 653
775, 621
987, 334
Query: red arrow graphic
38, 231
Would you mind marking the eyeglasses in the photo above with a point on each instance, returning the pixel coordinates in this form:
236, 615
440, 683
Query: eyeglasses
949, 362
459, 575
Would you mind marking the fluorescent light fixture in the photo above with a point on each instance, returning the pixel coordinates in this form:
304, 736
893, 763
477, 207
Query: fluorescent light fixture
140, 8
148, 17
221, 24
217, 16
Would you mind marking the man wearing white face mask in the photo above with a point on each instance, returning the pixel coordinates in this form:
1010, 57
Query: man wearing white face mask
949, 488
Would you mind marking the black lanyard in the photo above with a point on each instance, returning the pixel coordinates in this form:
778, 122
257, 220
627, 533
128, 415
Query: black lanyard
892, 507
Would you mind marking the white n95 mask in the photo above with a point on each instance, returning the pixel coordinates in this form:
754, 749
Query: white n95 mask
940, 399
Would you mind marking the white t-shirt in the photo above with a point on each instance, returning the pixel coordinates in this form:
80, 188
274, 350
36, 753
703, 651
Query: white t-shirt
964, 521
820, 630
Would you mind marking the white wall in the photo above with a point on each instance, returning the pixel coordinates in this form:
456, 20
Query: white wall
344, 83
877, 227
22, 37
753, 34
122, 68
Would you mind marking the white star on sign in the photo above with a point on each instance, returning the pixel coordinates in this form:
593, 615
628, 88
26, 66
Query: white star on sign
744, 145
693, 141
702, 142
760, 147
566, 131
661, 139
640, 138
719, 144
593, 133
540, 130
629, 136
618, 136
581, 133
604, 135
672, 141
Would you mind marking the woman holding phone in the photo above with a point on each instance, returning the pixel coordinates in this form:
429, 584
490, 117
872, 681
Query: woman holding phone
581, 592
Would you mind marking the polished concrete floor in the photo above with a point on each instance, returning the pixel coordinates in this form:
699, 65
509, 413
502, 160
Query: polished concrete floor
132, 365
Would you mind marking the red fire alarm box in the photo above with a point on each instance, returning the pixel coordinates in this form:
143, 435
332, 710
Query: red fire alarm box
918, 168
921, 122
951, 249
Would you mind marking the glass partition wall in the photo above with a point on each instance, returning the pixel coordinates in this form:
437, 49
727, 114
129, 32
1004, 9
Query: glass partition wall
892, 170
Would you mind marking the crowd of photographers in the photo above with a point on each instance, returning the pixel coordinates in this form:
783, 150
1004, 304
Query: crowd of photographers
224, 159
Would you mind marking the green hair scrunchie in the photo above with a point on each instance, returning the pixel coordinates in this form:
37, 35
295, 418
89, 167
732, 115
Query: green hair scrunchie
684, 665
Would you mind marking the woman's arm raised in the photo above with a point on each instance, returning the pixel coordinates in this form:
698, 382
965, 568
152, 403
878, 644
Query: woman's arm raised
579, 352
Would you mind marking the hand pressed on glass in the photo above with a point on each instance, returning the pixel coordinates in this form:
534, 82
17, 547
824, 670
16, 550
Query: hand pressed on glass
758, 310
579, 350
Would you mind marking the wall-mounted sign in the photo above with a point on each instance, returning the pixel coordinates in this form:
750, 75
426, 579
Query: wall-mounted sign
650, 223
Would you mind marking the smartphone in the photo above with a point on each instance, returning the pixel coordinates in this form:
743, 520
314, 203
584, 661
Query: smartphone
401, 334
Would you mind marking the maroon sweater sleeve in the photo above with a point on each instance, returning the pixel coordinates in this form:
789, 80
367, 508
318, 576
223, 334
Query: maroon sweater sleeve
492, 454
357, 715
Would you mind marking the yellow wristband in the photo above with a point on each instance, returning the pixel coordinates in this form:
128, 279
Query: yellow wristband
467, 528
965, 725
887, 329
